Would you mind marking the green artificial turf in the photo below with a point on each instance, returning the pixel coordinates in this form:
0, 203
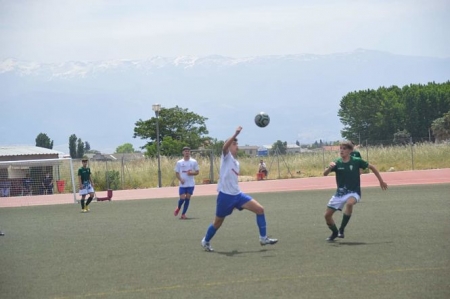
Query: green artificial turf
397, 245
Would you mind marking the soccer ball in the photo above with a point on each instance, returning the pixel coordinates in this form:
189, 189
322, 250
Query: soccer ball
262, 119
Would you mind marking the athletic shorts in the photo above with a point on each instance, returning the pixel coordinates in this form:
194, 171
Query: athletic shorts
226, 203
186, 190
86, 189
338, 202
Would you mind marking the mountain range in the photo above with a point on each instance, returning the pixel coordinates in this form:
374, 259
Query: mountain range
100, 101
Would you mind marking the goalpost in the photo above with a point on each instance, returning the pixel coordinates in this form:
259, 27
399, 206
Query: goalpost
37, 177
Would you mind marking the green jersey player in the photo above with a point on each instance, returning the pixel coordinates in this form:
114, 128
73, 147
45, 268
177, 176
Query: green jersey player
348, 193
86, 185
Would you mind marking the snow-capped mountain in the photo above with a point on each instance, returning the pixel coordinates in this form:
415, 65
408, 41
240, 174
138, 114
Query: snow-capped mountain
100, 101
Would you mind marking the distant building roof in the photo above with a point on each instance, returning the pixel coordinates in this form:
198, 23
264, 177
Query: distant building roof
128, 156
117, 157
25, 150
331, 147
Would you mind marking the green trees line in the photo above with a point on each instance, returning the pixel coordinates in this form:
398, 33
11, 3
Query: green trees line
412, 110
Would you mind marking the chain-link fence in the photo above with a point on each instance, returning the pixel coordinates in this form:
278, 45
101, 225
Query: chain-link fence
143, 173
37, 177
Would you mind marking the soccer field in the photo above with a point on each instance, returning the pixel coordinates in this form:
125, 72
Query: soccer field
396, 246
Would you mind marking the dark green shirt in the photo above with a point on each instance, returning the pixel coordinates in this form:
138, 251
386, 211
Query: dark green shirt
85, 174
355, 154
348, 179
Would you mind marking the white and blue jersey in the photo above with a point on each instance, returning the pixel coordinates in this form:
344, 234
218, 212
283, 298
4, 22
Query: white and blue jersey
230, 195
183, 167
229, 175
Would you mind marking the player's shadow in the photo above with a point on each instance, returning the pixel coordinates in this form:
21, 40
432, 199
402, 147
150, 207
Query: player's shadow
357, 243
235, 252
189, 218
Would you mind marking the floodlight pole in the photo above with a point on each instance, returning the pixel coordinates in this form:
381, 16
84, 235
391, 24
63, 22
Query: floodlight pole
157, 108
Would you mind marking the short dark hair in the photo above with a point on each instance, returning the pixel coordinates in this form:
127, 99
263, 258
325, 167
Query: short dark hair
186, 148
347, 144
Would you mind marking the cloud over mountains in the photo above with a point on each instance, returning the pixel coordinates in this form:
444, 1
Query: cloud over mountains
100, 101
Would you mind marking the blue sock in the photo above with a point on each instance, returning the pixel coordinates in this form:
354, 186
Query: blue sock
186, 206
180, 203
210, 233
261, 221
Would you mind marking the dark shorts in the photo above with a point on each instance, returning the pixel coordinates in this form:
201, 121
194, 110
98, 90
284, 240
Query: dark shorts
226, 203
186, 190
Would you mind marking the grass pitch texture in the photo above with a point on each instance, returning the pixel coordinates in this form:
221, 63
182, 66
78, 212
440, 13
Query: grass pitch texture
396, 246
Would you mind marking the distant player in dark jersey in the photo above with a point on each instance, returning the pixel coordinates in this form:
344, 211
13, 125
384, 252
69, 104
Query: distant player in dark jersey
230, 196
86, 185
348, 191
354, 152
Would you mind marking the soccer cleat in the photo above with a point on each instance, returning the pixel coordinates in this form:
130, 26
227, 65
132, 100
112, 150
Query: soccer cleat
341, 234
332, 237
183, 216
83, 211
267, 241
206, 246
175, 213
87, 209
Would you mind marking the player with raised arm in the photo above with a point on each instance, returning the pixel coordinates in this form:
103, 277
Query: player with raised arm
231, 197
348, 191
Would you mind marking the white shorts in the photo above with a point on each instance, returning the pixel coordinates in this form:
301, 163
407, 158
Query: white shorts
338, 202
88, 189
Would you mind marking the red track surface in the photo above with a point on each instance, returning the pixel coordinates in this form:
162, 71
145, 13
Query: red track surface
420, 177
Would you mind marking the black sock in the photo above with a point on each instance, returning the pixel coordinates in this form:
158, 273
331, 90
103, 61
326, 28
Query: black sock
333, 228
82, 204
89, 200
345, 220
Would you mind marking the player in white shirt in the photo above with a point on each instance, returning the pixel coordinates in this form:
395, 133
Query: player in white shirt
186, 169
231, 197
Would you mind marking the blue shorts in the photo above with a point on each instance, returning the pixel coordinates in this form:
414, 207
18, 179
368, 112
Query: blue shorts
226, 203
186, 190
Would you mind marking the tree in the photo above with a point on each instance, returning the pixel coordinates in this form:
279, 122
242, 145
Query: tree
216, 146
73, 146
125, 148
441, 127
42, 140
378, 114
402, 137
281, 146
87, 147
169, 147
76, 147
177, 123
80, 148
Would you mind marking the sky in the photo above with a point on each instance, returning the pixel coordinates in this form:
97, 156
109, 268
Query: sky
91, 30
54, 31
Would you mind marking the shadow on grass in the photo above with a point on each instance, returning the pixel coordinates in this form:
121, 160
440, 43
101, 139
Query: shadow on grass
237, 252
358, 243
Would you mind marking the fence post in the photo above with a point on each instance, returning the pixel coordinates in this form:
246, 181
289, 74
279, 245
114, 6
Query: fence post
323, 157
367, 151
122, 173
211, 166
412, 153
